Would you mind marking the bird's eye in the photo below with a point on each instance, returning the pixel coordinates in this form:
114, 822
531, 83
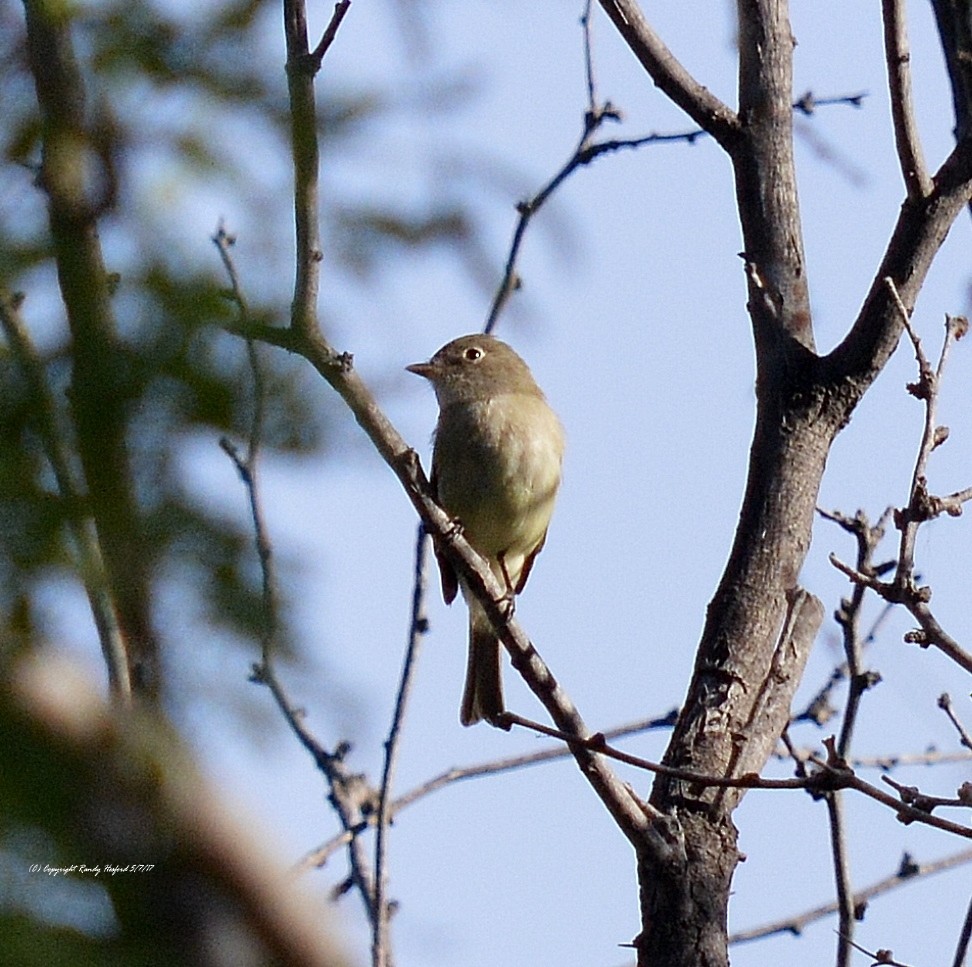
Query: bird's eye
472, 354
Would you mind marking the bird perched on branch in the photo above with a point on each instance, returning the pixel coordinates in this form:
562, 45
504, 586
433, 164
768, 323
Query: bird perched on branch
496, 469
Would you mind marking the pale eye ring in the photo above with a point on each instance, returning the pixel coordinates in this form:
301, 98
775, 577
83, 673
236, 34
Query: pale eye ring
473, 354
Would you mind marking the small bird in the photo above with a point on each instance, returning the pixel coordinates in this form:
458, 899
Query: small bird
496, 467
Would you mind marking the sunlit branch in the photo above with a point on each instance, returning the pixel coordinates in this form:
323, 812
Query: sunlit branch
907, 140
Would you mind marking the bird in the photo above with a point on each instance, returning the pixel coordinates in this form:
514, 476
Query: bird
496, 469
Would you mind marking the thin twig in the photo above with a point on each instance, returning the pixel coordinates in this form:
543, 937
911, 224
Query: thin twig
922, 505
908, 870
330, 32
882, 957
819, 709
349, 794
886, 763
91, 566
319, 856
898, 59
832, 774
915, 599
597, 743
809, 102
842, 877
915, 797
418, 626
848, 617
963, 943
945, 704
588, 27
586, 152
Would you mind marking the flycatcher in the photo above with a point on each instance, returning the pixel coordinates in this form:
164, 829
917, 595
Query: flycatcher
496, 469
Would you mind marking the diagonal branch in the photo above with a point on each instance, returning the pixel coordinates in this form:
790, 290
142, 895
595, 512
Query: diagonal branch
443, 780
907, 871
921, 228
697, 101
91, 565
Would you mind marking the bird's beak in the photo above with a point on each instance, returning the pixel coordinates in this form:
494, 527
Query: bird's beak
422, 369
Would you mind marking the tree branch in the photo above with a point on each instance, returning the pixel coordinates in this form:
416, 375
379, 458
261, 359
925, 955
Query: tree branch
301, 68
955, 32
90, 562
907, 140
906, 872
418, 626
921, 228
700, 104
100, 367
320, 856
842, 878
330, 32
350, 796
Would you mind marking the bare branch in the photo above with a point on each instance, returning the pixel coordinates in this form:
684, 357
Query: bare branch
350, 795
955, 33
907, 140
320, 856
91, 565
922, 506
915, 797
906, 872
886, 763
945, 704
99, 362
588, 28
964, 937
922, 225
915, 599
833, 774
306, 339
880, 957
583, 154
597, 743
418, 626
700, 104
303, 138
330, 32
842, 877
848, 617
905, 812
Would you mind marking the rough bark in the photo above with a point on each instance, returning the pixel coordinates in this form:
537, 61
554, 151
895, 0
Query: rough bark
760, 624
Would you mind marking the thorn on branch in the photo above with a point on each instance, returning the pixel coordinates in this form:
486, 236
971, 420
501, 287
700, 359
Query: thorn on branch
908, 866
343, 361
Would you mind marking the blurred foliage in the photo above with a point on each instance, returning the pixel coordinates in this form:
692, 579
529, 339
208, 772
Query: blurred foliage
191, 102
186, 112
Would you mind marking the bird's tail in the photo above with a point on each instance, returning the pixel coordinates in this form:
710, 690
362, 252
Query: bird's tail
482, 697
